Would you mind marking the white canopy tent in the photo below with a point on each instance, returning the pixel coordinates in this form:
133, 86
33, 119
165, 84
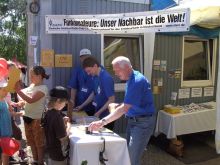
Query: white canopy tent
203, 13
206, 14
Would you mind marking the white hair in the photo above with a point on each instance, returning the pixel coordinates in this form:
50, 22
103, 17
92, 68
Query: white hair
122, 61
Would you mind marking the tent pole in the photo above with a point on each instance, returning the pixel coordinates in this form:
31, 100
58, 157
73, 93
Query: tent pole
217, 133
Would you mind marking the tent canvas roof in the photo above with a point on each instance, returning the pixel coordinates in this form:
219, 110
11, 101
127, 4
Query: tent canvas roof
203, 13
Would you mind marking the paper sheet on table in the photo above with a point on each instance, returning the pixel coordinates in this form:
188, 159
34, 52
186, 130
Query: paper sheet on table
79, 113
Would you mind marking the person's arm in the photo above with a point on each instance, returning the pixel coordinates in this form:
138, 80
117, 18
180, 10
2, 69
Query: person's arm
12, 112
70, 109
72, 84
73, 96
29, 99
68, 126
117, 113
86, 102
36, 96
10, 108
65, 139
71, 103
107, 84
20, 104
105, 106
64, 145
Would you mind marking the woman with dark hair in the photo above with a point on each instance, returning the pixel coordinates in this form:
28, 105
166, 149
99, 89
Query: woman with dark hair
34, 98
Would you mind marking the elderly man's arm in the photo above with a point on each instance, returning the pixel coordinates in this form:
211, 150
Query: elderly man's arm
117, 112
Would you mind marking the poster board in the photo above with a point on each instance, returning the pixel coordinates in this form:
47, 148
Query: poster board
47, 57
63, 60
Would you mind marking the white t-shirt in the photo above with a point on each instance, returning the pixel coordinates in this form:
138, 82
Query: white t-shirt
35, 110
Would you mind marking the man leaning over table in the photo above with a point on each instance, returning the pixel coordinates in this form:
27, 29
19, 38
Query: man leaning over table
81, 85
137, 106
103, 90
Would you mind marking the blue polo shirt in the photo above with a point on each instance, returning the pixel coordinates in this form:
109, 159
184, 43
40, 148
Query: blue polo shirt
138, 94
83, 83
103, 89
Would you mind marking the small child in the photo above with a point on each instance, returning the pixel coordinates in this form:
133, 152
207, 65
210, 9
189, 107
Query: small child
13, 106
5, 119
56, 129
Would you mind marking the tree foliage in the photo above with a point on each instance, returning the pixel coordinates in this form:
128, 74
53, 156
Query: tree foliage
13, 29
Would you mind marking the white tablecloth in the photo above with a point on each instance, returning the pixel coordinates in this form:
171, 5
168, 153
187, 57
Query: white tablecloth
87, 147
185, 123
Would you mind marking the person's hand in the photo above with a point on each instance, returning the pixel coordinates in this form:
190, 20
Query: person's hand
97, 114
95, 126
77, 108
19, 114
66, 119
19, 104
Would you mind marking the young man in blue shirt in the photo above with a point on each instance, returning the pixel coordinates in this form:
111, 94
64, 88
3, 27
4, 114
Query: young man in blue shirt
103, 89
137, 106
81, 85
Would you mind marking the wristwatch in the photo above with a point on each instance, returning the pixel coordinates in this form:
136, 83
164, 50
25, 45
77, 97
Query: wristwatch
104, 122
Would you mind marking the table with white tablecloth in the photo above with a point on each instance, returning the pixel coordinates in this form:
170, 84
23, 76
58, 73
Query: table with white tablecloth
173, 125
86, 147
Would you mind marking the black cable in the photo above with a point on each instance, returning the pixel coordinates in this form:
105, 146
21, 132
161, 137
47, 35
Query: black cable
101, 156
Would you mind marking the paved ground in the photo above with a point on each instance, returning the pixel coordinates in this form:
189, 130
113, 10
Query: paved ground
156, 156
152, 156
29, 158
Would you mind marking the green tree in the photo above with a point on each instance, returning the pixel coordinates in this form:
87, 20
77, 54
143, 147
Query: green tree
13, 29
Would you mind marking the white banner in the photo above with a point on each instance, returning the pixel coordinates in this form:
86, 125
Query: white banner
138, 22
